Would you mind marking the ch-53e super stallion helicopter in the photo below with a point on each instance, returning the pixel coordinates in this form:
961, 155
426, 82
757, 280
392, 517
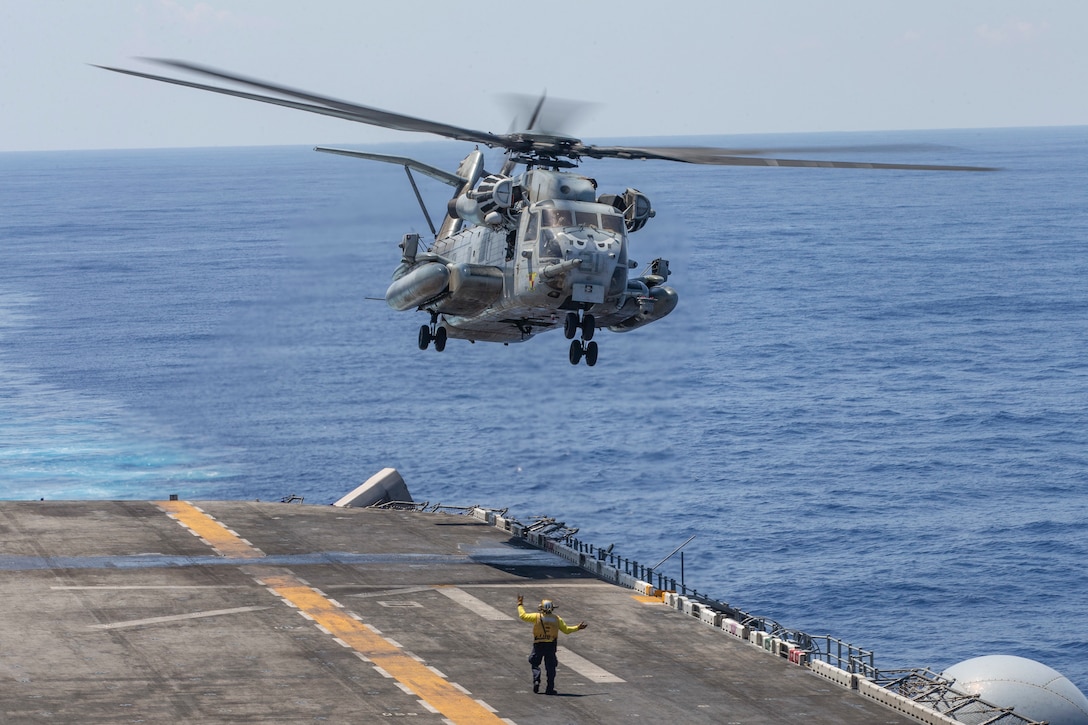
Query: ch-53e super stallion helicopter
520, 252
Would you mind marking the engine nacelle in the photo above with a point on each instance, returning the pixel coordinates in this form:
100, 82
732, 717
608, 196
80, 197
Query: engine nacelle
645, 305
634, 205
494, 194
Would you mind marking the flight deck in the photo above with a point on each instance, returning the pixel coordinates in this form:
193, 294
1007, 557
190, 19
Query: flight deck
247, 612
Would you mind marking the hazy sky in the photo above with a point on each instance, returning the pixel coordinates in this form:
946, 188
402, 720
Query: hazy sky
655, 67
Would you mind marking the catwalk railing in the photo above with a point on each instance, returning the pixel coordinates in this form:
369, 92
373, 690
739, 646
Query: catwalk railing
920, 693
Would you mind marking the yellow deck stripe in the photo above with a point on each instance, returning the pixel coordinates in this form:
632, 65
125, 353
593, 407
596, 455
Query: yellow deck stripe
647, 599
455, 705
438, 692
216, 534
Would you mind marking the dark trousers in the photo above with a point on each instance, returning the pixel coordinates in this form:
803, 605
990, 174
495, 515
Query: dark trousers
544, 651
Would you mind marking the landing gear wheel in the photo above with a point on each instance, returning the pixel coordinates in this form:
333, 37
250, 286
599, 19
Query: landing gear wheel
570, 325
588, 326
591, 354
424, 337
440, 339
575, 352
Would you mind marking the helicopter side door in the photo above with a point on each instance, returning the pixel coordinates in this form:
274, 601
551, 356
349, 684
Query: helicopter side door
525, 261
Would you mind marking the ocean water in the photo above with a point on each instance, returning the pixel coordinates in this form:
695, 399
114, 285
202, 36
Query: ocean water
870, 407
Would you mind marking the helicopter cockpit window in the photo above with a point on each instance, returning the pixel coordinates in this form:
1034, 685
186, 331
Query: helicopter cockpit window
612, 223
557, 218
569, 218
586, 219
549, 245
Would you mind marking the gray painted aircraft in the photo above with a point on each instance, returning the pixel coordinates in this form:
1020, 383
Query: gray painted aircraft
520, 251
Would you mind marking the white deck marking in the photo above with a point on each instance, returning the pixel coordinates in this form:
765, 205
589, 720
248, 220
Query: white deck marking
584, 667
106, 587
384, 592
408, 604
176, 618
579, 664
471, 603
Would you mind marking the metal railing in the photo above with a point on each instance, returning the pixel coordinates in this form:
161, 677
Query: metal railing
936, 692
844, 655
919, 685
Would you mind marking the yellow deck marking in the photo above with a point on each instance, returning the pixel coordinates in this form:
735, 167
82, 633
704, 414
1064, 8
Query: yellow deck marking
216, 534
648, 600
416, 676
458, 707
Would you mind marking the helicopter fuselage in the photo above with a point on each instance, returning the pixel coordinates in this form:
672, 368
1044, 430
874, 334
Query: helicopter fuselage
521, 255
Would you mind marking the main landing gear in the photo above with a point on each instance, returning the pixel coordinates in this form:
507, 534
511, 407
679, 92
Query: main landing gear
584, 347
432, 332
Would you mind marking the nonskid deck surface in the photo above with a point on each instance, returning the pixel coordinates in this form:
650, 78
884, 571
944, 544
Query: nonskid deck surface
264, 612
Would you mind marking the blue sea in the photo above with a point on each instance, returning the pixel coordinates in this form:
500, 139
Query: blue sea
870, 407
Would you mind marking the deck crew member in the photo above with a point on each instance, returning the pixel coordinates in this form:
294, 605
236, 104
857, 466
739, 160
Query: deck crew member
546, 628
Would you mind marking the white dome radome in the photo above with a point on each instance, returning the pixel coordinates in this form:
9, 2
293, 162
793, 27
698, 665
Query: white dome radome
1031, 688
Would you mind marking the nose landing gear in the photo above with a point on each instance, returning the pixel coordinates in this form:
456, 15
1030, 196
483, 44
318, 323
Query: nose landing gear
572, 326
432, 333
583, 347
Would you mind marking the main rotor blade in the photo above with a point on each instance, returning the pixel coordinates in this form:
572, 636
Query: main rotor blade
731, 157
237, 94
546, 114
536, 112
323, 105
439, 174
544, 146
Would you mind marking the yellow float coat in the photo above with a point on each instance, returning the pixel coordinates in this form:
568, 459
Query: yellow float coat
546, 627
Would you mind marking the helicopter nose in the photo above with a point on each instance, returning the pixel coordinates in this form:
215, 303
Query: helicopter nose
592, 242
591, 281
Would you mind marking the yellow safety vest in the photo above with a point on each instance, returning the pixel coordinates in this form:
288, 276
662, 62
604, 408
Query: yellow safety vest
546, 627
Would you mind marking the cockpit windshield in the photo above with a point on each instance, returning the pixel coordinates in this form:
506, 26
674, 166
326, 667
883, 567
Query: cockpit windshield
557, 218
578, 225
571, 218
